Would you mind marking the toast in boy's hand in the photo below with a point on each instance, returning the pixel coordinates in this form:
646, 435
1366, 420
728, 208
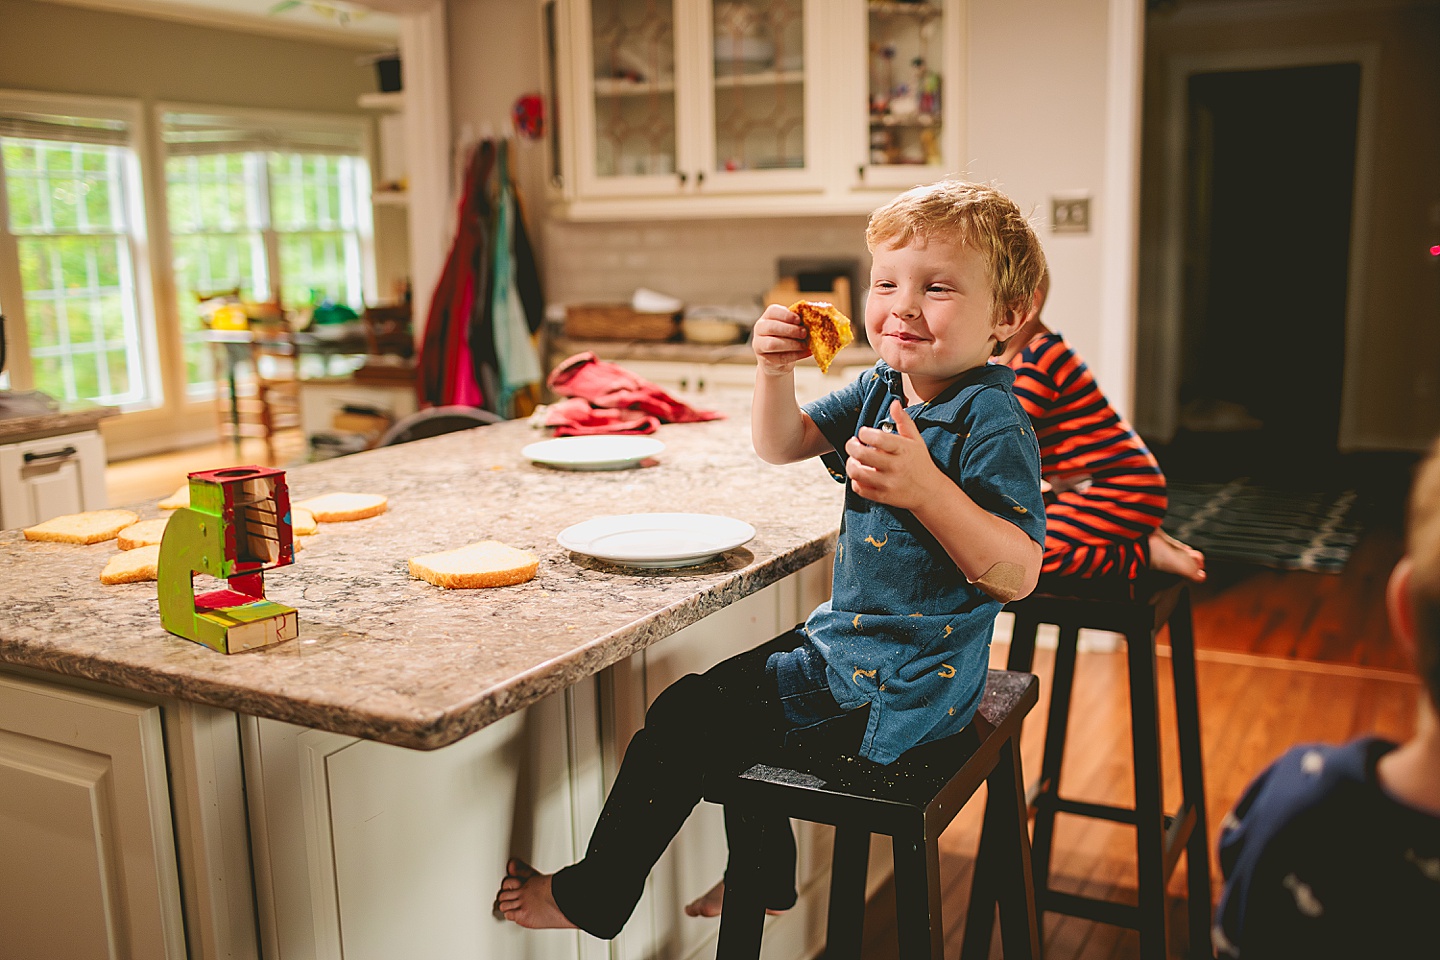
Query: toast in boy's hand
829, 329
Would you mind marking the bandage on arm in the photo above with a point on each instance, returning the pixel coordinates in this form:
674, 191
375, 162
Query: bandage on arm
1004, 581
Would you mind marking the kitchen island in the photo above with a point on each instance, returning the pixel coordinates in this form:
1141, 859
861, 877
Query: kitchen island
369, 778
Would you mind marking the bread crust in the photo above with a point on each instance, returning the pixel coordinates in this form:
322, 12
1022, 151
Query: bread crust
343, 507
488, 563
132, 566
142, 534
830, 329
92, 526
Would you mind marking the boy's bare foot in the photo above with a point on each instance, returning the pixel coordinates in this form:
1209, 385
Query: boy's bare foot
1172, 556
525, 898
712, 901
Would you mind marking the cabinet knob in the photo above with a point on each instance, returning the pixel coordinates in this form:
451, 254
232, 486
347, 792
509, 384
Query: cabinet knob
860, 171
700, 178
60, 454
684, 177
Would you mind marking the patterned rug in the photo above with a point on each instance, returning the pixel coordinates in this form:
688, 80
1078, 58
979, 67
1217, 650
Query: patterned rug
1273, 528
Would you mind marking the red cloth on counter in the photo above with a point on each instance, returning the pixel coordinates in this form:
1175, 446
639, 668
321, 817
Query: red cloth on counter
619, 401
574, 417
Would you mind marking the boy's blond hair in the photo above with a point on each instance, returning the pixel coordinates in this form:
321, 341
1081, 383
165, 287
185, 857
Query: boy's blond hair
1422, 546
976, 215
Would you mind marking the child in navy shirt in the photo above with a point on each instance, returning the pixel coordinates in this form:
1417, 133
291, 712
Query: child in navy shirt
1335, 851
943, 523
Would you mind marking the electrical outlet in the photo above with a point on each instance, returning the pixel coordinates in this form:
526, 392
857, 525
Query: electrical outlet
1070, 214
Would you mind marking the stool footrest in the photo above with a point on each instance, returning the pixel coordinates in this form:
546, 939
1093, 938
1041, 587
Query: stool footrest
1082, 808
1090, 908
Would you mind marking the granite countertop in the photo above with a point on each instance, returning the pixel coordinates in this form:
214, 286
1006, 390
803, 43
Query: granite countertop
390, 658
31, 416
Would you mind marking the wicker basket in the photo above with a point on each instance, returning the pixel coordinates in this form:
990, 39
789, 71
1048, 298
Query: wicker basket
618, 321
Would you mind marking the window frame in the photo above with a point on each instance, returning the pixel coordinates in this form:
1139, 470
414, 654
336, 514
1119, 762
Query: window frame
20, 364
360, 127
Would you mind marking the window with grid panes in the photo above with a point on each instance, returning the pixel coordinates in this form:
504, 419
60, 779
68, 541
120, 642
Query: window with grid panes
70, 238
276, 210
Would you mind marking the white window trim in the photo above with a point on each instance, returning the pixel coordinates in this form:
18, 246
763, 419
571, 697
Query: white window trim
12, 295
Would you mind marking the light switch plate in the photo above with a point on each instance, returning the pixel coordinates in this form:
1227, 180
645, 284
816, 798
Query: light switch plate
1070, 214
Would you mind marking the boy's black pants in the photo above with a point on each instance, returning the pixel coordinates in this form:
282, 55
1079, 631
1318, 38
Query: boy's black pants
719, 722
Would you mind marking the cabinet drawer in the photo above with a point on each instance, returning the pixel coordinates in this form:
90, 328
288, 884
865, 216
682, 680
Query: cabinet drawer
40, 479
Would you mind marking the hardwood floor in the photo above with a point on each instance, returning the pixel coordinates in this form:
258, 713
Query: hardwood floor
145, 478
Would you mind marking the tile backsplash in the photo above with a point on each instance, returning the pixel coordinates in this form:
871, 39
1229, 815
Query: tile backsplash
730, 262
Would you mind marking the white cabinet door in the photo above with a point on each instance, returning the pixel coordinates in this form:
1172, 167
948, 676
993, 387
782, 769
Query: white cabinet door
904, 109
89, 853
756, 107
364, 850
40, 479
690, 99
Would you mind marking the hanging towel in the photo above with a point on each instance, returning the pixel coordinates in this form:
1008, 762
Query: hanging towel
447, 368
610, 386
518, 365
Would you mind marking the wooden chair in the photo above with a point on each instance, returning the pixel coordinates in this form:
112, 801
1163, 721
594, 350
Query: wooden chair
388, 331
1137, 611
274, 406
912, 801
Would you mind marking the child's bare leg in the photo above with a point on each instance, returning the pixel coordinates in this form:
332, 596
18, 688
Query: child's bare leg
710, 903
1171, 556
525, 898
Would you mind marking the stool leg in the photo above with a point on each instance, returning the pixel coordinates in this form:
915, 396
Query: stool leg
1056, 724
1149, 811
1003, 867
1022, 643
742, 918
917, 895
845, 926
1192, 773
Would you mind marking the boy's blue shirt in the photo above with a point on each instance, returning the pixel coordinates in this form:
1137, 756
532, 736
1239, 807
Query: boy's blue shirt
903, 630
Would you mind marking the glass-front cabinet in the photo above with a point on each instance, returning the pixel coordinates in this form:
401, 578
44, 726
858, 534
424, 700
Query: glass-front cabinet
752, 106
912, 120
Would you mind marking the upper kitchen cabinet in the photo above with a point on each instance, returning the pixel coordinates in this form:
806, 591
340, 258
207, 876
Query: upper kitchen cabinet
683, 108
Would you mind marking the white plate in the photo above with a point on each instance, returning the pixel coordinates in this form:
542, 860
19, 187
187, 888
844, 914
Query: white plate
656, 539
600, 452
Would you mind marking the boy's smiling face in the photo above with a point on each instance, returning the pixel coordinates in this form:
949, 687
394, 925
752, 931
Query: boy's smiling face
930, 313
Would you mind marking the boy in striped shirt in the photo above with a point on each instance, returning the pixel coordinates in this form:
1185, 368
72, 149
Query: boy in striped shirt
1106, 494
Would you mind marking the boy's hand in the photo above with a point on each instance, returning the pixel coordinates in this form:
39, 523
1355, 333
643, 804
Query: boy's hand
780, 340
891, 468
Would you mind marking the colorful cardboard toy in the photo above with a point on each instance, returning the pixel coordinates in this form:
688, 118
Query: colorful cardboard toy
237, 525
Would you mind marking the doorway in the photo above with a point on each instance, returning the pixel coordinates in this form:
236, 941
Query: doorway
1270, 181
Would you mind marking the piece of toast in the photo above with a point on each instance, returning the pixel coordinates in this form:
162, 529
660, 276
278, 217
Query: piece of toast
142, 534
180, 498
93, 526
488, 563
133, 566
340, 507
829, 329
302, 522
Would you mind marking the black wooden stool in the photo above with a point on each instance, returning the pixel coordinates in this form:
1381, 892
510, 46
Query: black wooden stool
1137, 611
911, 800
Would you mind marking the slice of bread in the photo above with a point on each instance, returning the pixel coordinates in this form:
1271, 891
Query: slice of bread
132, 566
339, 507
180, 498
302, 522
92, 526
142, 534
829, 329
488, 563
